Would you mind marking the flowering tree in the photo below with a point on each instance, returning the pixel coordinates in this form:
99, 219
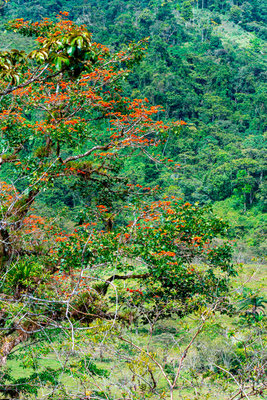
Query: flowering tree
63, 115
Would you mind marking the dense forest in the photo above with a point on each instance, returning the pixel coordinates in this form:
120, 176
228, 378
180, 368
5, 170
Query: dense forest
132, 199
204, 64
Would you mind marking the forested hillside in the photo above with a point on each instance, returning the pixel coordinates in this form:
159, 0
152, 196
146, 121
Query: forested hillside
132, 200
205, 65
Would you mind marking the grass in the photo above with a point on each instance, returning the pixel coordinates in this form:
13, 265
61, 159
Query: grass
253, 276
230, 33
234, 34
10, 40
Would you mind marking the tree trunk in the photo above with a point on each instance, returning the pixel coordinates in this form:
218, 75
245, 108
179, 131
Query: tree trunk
8, 344
1, 250
4, 243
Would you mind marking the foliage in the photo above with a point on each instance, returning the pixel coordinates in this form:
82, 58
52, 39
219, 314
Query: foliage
78, 140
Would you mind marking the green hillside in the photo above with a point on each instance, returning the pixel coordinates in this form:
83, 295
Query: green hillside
133, 200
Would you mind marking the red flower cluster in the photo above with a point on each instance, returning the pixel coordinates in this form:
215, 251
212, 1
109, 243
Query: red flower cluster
135, 291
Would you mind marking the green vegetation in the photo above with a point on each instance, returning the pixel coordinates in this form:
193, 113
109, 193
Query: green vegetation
204, 65
132, 199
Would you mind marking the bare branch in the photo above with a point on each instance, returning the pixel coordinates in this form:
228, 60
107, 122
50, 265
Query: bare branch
87, 153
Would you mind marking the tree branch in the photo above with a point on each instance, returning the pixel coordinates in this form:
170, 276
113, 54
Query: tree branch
87, 153
31, 80
104, 289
